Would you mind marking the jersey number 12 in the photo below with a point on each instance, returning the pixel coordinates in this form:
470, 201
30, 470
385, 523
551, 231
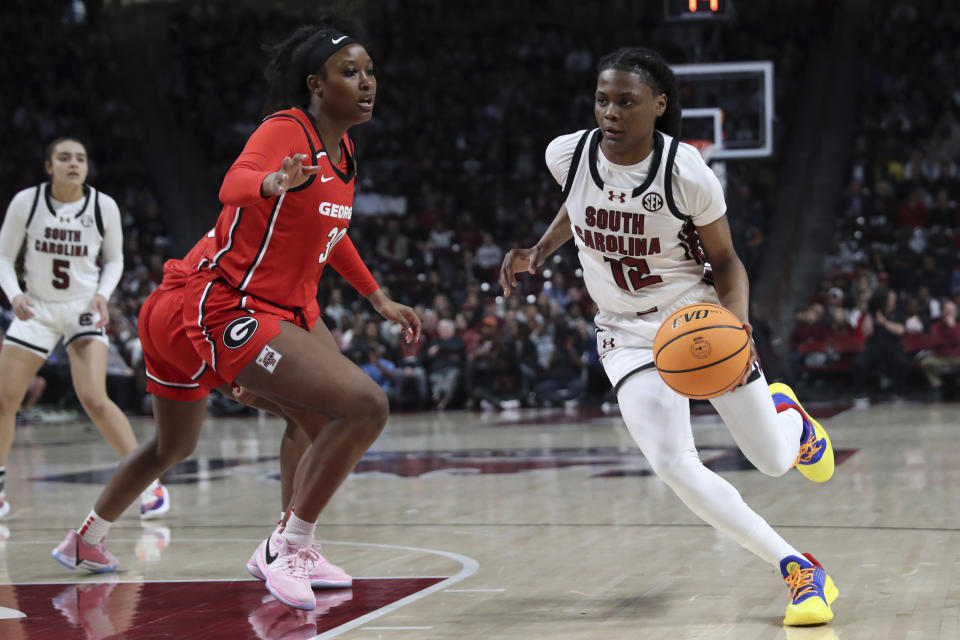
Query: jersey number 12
635, 269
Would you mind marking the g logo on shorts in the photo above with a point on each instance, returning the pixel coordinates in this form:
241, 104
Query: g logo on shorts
239, 332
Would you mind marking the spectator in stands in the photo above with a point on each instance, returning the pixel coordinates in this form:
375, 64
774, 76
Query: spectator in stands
944, 354
883, 357
562, 381
445, 359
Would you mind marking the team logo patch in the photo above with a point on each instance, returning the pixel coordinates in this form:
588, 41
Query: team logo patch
85, 320
268, 358
86, 221
652, 202
239, 332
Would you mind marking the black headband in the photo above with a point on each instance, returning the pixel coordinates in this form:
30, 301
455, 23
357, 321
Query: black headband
329, 45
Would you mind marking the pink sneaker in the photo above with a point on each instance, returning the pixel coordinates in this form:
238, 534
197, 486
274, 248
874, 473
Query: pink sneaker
283, 566
323, 574
73, 552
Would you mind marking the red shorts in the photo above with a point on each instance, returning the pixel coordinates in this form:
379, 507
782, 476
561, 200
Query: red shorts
174, 368
228, 329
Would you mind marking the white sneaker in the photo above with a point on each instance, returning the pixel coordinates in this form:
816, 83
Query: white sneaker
154, 502
4, 506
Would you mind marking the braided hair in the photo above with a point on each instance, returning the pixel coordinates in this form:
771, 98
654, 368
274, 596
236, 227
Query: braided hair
653, 71
291, 60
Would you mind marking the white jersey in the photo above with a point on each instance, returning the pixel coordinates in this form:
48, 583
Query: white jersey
635, 226
63, 241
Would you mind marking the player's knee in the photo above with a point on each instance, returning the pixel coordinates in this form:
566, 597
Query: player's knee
8, 403
93, 402
173, 452
676, 471
371, 409
774, 464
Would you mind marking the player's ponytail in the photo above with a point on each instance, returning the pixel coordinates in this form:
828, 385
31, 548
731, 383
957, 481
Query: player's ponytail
655, 71
290, 61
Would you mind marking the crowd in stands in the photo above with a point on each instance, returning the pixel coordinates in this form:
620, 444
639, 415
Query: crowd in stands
463, 157
884, 315
457, 160
59, 76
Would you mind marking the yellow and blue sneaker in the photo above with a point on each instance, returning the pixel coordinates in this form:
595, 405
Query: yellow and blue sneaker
811, 591
815, 460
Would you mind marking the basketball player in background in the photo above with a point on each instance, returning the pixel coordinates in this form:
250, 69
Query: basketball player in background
241, 311
66, 224
642, 207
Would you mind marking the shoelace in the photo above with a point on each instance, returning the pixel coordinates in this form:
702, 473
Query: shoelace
800, 582
301, 560
808, 449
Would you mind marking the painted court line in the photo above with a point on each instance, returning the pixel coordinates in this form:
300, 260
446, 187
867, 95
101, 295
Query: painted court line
473, 590
469, 566
391, 628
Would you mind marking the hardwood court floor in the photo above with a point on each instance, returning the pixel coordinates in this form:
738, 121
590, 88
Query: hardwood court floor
530, 524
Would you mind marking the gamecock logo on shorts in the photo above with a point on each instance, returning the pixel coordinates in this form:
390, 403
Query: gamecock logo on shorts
239, 332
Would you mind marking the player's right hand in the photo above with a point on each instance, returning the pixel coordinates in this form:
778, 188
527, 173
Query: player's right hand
22, 307
291, 175
518, 260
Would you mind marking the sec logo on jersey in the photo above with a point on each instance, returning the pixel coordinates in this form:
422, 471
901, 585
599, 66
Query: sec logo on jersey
652, 202
239, 332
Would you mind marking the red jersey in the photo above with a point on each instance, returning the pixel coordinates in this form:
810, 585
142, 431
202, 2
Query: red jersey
276, 248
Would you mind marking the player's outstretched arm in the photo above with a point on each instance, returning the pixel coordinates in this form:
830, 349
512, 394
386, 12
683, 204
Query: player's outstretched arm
531, 259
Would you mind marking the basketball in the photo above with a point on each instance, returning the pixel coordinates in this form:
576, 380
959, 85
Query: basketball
701, 351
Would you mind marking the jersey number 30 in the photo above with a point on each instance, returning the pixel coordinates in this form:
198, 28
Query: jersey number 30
336, 235
636, 270
61, 274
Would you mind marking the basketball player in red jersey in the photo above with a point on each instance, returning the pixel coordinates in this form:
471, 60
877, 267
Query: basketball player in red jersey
247, 309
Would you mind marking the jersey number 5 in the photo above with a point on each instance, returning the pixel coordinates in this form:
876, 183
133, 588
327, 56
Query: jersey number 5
636, 270
61, 274
336, 235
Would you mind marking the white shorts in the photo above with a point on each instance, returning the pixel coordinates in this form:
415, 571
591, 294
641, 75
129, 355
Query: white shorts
625, 342
69, 319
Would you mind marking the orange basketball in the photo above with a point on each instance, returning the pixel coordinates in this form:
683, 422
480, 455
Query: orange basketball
701, 351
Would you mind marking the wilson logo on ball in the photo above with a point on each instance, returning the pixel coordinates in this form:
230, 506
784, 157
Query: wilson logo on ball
700, 348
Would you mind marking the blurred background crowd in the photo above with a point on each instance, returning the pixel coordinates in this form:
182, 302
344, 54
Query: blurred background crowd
452, 176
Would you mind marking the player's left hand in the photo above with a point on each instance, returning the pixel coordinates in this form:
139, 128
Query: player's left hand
102, 309
753, 352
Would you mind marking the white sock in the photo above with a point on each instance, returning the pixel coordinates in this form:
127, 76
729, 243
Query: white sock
94, 528
299, 532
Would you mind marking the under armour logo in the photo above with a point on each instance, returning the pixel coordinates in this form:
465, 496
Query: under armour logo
614, 195
608, 343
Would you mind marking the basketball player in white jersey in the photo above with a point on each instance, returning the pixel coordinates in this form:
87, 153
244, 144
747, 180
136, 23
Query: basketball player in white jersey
64, 225
642, 207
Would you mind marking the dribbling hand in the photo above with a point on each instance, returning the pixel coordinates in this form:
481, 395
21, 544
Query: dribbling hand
518, 260
291, 175
22, 307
